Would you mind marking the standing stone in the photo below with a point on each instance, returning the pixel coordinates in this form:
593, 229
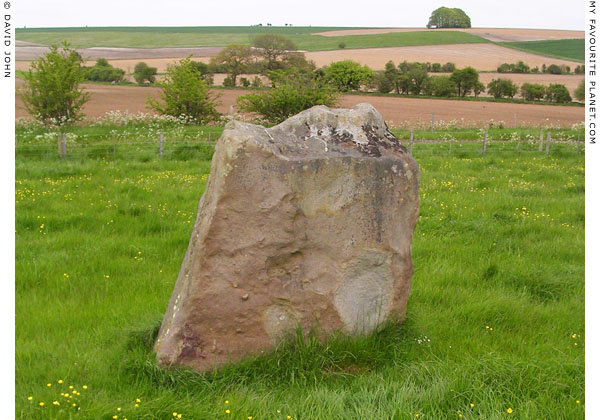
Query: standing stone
306, 223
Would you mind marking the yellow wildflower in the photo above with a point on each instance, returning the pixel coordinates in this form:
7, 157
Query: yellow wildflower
70, 386
84, 387
174, 414
137, 400
509, 410
30, 398
74, 405
55, 403
178, 416
577, 402
136, 405
227, 411
41, 403
115, 417
226, 402
48, 385
118, 408
472, 405
60, 381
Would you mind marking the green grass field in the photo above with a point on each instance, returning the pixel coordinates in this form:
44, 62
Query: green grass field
567, 49
495, 319
217, 37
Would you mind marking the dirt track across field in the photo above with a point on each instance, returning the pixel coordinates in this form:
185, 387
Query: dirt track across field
106, 98
493, 34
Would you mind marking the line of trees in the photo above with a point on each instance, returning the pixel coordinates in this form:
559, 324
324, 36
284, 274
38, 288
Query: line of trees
521, 67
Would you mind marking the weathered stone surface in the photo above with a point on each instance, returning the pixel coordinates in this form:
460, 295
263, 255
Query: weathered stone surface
309, 222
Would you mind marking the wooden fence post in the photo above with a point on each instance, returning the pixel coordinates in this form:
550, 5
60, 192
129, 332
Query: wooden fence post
541, 140
63, 146
519, 143
161, 144
485, 138
432, 120
412, 140
548, 143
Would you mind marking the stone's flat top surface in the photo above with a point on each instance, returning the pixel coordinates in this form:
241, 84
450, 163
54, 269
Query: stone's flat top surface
326, 132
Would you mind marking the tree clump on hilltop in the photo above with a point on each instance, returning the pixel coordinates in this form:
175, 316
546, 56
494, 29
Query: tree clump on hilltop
445, 17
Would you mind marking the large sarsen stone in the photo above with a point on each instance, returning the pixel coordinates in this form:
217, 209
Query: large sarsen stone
306, 223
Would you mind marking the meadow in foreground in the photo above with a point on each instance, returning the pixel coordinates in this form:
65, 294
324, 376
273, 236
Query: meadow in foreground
495, 322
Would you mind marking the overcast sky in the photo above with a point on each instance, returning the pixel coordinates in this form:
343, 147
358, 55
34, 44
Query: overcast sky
550, 14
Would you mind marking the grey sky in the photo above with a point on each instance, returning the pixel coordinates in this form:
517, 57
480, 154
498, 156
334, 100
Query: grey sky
545, 14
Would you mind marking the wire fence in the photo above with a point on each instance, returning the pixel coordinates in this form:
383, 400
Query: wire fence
202, 147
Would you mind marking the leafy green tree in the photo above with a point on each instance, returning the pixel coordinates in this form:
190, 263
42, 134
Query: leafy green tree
295, 93
580, 91
185, 93
478, 87
448, 68
347, 75
235, 60
521, 67
533, 91
417, 78
391, 74
445, 17
466, 79
204, 70
102, 62
272, 47
441, 86
102, 71
51, 93
142, 72
382, 83
554, 69
580, 69
500, 88
558, 93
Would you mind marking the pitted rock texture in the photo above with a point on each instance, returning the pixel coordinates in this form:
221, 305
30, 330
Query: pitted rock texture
306, 223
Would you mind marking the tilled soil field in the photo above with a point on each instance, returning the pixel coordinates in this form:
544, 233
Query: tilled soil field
493, 34
397, 111
481, 56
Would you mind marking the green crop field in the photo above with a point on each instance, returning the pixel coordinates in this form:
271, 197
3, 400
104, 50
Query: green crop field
567, 49
495, 322
217, 37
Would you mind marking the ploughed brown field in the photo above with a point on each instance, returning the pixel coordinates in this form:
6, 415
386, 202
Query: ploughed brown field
395, 110
480, 56
493, 34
